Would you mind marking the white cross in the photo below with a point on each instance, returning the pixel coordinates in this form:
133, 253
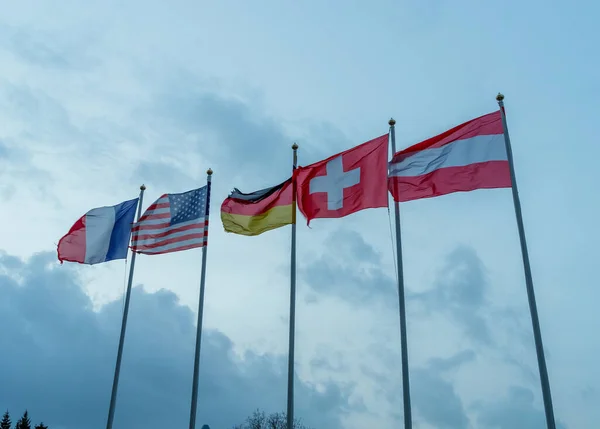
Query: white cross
334, 183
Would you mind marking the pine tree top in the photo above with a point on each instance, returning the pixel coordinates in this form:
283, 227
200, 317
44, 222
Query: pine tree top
5, 423
24, 422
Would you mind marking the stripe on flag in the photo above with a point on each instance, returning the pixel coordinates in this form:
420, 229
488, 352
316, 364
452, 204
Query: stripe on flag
259, 211
173, 223
467, 157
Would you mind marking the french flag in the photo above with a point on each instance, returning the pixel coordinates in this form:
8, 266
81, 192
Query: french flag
100, 235
467, 157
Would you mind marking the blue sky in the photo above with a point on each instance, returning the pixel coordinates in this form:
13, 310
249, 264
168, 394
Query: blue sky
99, 97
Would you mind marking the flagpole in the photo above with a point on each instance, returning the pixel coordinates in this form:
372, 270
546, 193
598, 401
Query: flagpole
537, 334
292, 334
113, 396
401, 301
194, 405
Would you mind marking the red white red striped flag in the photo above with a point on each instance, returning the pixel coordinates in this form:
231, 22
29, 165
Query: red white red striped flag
467, 157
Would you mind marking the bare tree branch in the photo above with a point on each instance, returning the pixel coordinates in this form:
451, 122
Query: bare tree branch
259, 420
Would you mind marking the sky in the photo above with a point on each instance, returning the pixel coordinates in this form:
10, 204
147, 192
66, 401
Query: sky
99, 97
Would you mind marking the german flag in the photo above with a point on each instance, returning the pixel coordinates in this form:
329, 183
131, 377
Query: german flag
258, 212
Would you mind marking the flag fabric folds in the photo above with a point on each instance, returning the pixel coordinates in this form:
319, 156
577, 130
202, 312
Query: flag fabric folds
345, 183
173, 223
100, 235
258, 212
467, 157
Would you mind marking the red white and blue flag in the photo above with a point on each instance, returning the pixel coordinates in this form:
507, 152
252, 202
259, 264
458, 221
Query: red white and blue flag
173, 223
100, 235
467, 157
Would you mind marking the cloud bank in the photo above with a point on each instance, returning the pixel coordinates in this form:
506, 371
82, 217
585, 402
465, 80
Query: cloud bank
58, 356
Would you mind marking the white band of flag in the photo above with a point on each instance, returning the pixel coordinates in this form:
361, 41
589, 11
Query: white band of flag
459, 153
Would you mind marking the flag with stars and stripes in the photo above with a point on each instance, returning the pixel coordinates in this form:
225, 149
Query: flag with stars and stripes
172, 223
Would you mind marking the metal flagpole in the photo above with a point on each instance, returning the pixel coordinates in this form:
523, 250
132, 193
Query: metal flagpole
402, 306
194, 406
537, 334
292, 335
113, 396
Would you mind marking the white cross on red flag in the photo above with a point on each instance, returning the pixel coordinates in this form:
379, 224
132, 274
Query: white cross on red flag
345, 183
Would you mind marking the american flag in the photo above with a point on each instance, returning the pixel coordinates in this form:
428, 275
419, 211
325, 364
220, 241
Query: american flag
172, 223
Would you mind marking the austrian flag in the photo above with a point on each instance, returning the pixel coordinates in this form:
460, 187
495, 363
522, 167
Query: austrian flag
345, 183
467, 157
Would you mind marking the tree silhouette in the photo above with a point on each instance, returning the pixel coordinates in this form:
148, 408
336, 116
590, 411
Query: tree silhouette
259, 420
5, 422
24, 422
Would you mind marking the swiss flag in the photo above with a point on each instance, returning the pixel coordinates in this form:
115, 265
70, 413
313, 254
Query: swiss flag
345, 183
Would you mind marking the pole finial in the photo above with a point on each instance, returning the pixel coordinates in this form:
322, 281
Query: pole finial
294, 146
392, 122
143, 187
500, 97
209, 172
